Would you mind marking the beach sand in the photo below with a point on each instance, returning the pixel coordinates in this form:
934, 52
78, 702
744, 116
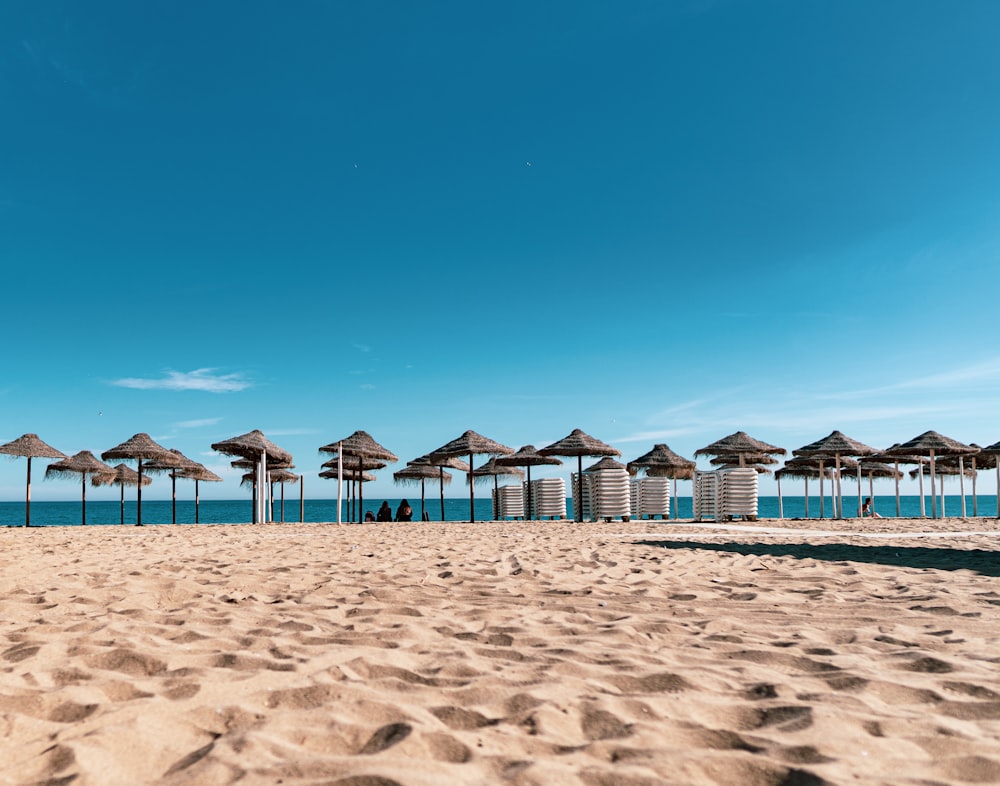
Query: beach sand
625, 653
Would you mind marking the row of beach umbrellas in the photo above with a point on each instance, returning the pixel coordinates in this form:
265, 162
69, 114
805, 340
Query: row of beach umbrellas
355, 457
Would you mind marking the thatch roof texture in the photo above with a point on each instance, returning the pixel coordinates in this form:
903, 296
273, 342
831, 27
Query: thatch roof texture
492, 469
30, 446
578, 443
253, 445
83, 463
123, 475
347, 474
355, 462
360, 443
414, 474
931, 443
835, 444
178, 463
469, 444
139, 447
737, 443
605, 463
662, 462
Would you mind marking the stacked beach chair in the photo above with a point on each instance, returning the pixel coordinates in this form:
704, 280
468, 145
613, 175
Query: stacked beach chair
548, 498
725, 493
738, 492
651, 497
605, 494
508, 503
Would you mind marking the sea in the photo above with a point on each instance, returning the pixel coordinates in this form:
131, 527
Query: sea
111, 512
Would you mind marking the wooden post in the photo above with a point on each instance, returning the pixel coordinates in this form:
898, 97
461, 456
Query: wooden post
961, 483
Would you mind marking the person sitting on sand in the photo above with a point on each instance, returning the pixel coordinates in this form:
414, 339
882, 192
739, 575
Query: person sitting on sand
866, 509
384, 512
369, 516
404, 512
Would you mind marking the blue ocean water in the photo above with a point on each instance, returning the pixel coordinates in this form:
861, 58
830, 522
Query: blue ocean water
105, 512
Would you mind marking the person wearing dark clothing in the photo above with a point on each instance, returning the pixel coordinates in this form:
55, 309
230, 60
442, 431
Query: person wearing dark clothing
384, 512
404, 512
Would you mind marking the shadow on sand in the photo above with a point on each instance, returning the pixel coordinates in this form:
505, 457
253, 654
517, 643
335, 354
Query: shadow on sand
978, 560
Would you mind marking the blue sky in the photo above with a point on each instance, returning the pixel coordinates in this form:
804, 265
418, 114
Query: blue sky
655, 221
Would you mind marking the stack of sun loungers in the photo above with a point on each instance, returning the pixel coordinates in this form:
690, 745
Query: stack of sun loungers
705, 496
548, 498
725, 493
651, 497
508, 502
605, 494
738, 492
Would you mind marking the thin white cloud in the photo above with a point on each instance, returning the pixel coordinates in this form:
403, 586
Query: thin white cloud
362, 347
198, 423
958, 378
200, 379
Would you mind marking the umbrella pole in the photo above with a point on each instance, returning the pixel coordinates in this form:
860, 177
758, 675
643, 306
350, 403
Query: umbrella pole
83, 498
253, 498
173, 496
821, 498
196, 501
807, 496
441, 478
123, 503
282, 502
302, 498
472, 493
527, 510
138, 498
941, 487
839, 503
578, 502
975, 502
422, 514
361, 491
961, 483
933, 495
871, 489
895, 466
781, 509
859, 491
496, 497
998, 487
920, 478
27, 498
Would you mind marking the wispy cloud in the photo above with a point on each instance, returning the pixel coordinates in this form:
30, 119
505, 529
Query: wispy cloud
367, 387
198, 423
200, 379
987, 372
362, 347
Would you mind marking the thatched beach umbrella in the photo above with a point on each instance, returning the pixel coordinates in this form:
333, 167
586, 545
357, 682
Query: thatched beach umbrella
666, 464
414, 473
740, 445
83, 463
837, 444
354, 451
470, 444
578, 443
527, 457
138, 448
256, 447
932, 445
198, 474
30, 446
493, 469
179, 463
122, 476
440, 462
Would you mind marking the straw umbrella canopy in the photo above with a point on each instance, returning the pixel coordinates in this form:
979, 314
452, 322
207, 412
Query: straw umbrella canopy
469, 444
452, 462
256, 447
139, 447
837, 444
182, 463
739, 444
354, 451
30, 446
493, 469
527, 457
743, 460
578, 443
662, 462
414, 473
932, 445
121, 476
83, 463
198, 474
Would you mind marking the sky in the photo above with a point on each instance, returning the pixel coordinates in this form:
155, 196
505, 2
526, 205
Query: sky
654, 221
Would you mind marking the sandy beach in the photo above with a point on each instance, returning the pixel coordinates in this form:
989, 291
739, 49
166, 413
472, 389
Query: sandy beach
625, 653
